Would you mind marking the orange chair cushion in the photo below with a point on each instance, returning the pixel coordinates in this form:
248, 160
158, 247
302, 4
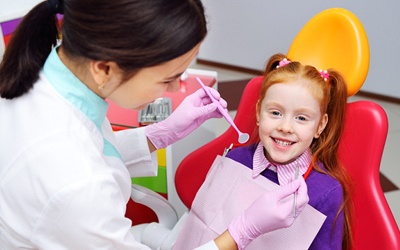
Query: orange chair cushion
334, 38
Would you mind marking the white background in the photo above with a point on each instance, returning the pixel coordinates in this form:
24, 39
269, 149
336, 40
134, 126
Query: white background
246, 33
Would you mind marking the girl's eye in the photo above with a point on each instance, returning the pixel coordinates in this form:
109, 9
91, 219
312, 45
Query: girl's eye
276, 113
301, 118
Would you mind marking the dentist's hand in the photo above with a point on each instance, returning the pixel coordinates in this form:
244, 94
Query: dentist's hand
191, 113
268, 213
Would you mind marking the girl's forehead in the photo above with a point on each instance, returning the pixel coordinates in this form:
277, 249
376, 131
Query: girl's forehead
291, 95
302, 85
287, 86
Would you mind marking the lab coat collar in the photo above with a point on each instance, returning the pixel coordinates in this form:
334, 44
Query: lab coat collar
73, 90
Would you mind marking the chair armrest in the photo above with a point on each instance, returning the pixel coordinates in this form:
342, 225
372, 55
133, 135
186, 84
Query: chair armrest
170, 240
165, 211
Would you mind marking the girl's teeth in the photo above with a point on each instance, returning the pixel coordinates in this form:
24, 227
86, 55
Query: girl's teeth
283, 143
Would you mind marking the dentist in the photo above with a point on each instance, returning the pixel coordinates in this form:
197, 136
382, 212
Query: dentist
64, 174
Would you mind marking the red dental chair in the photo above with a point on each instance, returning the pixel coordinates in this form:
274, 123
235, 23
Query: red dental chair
338, 41
361, 150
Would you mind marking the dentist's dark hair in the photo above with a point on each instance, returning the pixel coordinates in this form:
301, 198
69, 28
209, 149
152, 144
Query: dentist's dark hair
133, 33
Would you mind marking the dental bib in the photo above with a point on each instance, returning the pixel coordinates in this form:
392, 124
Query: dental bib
228, 190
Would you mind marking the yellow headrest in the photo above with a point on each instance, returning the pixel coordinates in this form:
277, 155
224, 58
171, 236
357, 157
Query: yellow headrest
334, 38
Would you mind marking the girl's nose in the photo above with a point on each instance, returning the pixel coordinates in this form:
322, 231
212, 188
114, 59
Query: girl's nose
286, 126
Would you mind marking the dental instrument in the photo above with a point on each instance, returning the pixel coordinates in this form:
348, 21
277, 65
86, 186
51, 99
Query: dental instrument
243, 137
296, 175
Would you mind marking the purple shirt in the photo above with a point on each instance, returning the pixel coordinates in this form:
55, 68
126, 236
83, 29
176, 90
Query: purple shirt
325, 194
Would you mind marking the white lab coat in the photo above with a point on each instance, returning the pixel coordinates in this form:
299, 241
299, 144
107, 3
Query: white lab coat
63, 184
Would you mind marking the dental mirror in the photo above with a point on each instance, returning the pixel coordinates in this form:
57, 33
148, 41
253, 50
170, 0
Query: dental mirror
243, 137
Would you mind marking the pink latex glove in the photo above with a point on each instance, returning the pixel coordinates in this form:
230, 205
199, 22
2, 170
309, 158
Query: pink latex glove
190, 114
269, 212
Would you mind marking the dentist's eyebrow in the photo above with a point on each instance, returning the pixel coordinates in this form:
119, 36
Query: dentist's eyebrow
173, 77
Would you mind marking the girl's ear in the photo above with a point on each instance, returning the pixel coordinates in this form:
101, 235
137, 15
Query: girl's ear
321, 126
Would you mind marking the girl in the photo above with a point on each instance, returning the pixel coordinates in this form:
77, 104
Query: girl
300, 114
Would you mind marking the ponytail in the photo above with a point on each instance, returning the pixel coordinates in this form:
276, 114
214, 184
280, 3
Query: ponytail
273, 63
326, 149
25, 55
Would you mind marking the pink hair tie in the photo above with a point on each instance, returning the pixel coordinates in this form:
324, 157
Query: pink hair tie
282, 63
324, 74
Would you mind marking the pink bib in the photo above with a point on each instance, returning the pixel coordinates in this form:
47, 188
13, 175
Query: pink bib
227, 191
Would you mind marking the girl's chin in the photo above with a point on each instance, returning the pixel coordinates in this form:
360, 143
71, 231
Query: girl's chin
286, 162
280, 160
